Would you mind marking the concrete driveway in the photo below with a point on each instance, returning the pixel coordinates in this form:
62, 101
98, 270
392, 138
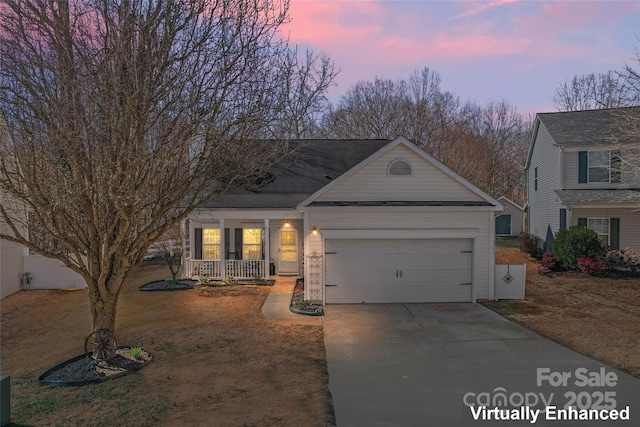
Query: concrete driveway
417, 364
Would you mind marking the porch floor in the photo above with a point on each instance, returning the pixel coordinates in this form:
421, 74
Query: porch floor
276, 306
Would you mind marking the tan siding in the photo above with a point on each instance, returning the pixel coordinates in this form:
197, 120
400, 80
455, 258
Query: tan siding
409, 220
629, 223
628, 175
544, 205
372, 183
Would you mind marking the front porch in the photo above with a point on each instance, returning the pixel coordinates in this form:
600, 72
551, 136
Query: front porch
239, 245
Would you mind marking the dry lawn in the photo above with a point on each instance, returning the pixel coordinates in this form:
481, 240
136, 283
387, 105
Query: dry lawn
598, 317
217, 361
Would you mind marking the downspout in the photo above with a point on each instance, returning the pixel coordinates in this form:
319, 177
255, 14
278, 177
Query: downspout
492, 258
267, 254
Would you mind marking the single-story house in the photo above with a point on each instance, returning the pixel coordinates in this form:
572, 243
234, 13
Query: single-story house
362, 221
511, 221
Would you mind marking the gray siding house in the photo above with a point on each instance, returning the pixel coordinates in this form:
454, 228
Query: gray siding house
580, 172
511, 221
372, 221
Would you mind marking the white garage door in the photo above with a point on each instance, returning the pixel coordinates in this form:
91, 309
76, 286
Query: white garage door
411, 270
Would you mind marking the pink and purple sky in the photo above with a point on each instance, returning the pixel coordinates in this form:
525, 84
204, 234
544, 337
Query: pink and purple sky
512, 50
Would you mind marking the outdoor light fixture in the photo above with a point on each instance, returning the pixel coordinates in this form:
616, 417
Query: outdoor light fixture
286, 223
314, 230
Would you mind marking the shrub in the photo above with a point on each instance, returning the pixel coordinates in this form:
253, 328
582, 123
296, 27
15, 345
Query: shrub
626, 257
591, 266
533, 245
549, 261
569, 245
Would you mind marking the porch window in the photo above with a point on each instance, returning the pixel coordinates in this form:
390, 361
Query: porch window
211, 243
600, 226
252, 243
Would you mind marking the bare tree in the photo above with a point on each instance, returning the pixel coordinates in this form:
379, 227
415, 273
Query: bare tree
369, 110
309, 78
122, 116
170, 247
594, 91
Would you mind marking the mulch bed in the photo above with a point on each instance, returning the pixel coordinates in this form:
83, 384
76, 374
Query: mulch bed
83, 370
168, 285
298, 304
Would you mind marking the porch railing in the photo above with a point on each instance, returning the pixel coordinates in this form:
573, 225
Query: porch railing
238, 269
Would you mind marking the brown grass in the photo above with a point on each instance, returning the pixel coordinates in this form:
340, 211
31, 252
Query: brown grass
598, 317
217, 361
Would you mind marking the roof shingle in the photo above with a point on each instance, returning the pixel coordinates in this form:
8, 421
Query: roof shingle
590, 126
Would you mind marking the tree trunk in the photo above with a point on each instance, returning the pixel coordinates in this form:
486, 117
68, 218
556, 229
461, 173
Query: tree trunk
103, 312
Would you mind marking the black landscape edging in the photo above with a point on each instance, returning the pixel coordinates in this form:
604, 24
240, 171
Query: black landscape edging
99, 379
179, 287
306, 313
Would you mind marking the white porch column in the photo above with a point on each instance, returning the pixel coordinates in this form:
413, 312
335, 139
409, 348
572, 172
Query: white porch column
267, 241
183, 237
222, 254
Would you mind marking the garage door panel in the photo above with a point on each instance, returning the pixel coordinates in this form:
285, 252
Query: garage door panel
412, 270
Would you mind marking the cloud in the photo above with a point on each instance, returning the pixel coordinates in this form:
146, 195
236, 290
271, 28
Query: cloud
477, 8
327, 23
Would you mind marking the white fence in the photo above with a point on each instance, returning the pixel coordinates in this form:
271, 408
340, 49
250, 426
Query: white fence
510, 281
48, 273
239, 269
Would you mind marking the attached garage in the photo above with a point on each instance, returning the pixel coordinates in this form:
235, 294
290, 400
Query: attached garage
399, 227
398, 270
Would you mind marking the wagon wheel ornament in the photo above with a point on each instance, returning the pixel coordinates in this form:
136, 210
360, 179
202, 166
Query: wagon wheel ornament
100, 344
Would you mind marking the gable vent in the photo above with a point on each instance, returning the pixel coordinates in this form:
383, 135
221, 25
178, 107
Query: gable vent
399, 167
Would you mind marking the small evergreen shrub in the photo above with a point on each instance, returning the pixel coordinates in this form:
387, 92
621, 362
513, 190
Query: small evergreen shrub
549, 261
591, 266
531, 244
569, 245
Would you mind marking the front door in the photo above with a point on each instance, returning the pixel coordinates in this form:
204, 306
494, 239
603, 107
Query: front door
288, 251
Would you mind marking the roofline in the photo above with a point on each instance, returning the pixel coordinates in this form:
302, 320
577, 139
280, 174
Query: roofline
510, 201
402, 208
605, 205
388, 147
534, 136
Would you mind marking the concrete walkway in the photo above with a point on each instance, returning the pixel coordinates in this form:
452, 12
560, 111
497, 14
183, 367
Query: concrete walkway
276, 306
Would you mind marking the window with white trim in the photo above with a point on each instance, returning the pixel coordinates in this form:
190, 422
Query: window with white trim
252, 243
211, 243
600, 226
599, 166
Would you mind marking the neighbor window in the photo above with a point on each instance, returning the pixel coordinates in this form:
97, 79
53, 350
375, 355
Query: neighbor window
211, 243
600, 226
599, 166
252, 243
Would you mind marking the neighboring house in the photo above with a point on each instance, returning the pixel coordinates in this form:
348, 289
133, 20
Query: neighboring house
511, 221
576, 176
11, 264
361, 220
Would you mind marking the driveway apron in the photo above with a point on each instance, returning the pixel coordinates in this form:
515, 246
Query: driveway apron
423, 364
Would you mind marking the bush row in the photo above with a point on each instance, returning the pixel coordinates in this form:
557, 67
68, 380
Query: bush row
581, 249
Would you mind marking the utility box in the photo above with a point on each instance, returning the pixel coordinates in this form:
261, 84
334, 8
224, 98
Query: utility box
5, 400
